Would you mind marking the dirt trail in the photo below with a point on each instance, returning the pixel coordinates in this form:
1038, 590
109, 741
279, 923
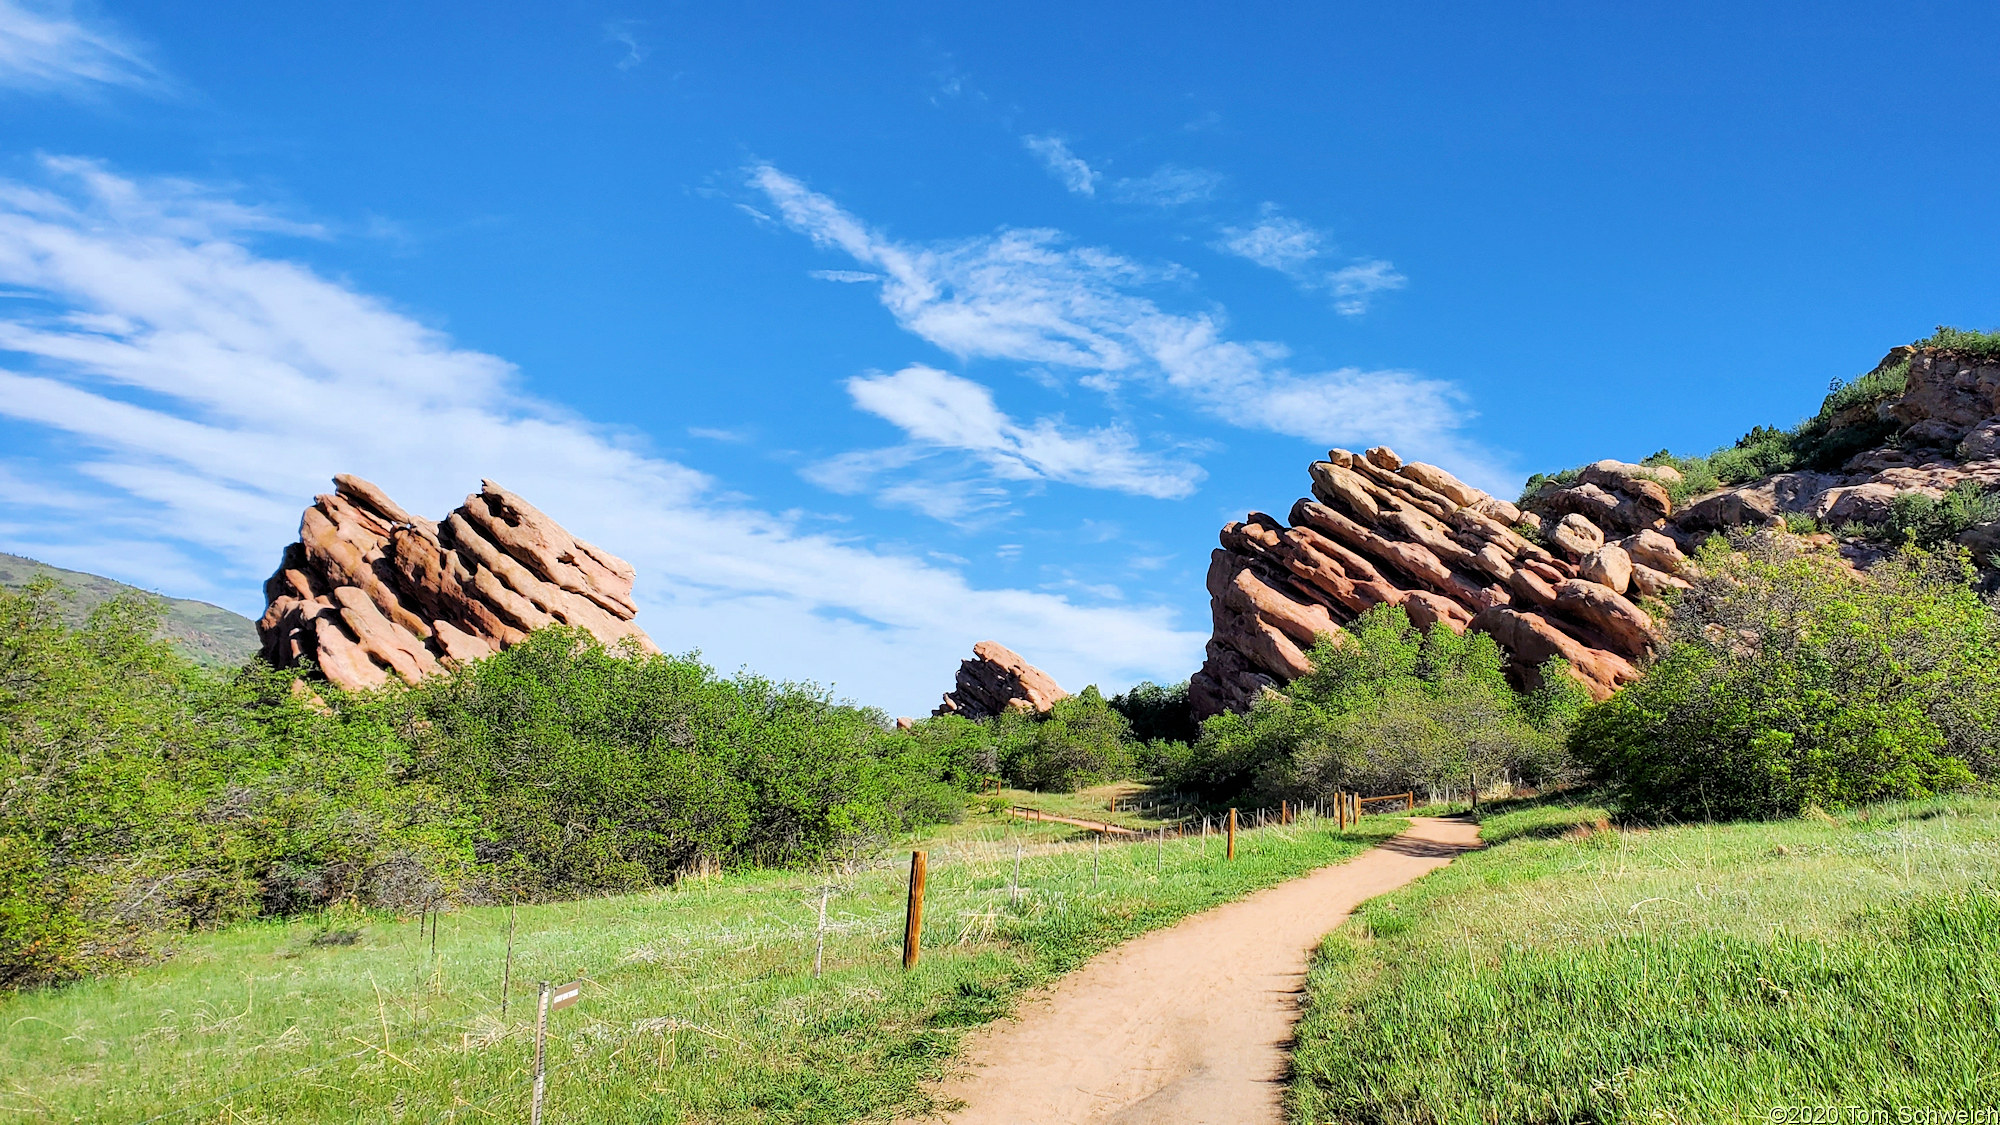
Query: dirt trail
1187, 1025
1026, 813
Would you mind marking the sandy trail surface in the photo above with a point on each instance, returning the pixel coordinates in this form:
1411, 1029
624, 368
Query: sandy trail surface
1052, 818
1188, 1025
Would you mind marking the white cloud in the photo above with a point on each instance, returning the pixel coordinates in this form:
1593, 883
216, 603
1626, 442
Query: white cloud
943, 410
1281, 243
47, 47
1066, 166
1351, 285
849, 277
625, 34
1030, 296
1170, 185
1276, 242
198, 392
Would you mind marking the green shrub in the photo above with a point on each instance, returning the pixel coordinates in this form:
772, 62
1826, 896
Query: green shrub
1387, 708
1158, 713
1976, 345
1081, 741
1788, 682
1933, 521
141, 795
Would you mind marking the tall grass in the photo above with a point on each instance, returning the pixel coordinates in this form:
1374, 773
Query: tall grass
698, 1002
1698, 973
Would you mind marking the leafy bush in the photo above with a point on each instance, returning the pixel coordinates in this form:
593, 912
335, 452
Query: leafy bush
1158, 713
1081, 741
1790, 682
1389, 707
1932, 521
1976, 345
593, 769
142, 795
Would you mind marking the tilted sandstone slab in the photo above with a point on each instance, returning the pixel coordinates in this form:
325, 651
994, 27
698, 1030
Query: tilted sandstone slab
1380, 531
371, 591
996, 679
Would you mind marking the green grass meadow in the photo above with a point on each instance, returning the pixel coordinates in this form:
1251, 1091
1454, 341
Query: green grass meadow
698, 1002
1575, 972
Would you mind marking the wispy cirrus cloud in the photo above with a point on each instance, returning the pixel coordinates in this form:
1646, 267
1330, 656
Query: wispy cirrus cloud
625, 33
1304, 254
1169, 185
944, 411
1033, 297
49, 47
1067, 167
172, 395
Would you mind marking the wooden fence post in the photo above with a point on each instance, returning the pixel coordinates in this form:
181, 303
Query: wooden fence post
913, 917
819, 933
541, 1075
507, 969
1232, 833
1284, 811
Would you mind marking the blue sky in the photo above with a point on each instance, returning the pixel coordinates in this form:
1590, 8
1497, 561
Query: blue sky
867, 335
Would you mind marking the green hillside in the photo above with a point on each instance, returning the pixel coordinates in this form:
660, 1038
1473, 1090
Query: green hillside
210, 634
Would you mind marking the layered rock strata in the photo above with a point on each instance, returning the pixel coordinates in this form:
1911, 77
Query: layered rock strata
995, 680
1942, 430
371, 591
1380, 531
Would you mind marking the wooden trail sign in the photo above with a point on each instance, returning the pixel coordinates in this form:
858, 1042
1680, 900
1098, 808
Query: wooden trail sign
565, 995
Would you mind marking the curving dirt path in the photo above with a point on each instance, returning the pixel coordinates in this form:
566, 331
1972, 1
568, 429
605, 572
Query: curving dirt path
1096, 825
1186, 1025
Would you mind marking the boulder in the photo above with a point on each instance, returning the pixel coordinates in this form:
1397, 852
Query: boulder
995, 680
1443, 483
1652, 549
370, 590
1858, 503
1982, 443
1735, 507
1609, 565
1948, 395
1575, 536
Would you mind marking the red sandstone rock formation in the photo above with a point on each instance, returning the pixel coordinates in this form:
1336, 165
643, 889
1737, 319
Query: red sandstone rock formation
370, 590
1378, 531
1945, 423
996, 680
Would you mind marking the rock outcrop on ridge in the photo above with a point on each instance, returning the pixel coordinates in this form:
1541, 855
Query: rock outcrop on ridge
1940, 430
371, 591
1377, 531
996, 679
1568, 572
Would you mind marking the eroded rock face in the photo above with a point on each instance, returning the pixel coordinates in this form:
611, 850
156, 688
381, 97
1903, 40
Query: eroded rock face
1380, 531
1946, 430
371, 591
996, 679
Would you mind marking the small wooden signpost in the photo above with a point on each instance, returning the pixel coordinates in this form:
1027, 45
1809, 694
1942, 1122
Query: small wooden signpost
552, 999
1232, 833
